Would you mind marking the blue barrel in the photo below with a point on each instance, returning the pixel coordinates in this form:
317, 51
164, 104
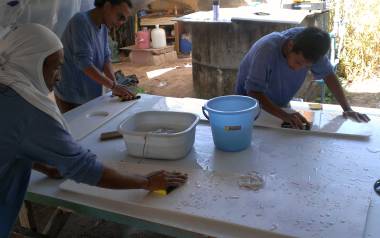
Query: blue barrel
231, 118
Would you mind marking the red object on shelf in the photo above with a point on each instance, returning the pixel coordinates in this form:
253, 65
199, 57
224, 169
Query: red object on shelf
142, 40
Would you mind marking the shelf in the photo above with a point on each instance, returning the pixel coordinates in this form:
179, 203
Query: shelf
163, 21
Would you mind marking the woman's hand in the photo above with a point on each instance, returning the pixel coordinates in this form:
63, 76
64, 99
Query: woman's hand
161, 180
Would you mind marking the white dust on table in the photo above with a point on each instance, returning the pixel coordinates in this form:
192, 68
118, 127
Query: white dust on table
373, 150
251, 181
208, 184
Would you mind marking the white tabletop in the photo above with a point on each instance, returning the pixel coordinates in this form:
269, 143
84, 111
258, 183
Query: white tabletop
330, 172
252, 14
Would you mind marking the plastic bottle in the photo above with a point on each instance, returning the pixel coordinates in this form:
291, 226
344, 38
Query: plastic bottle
142, 39
158, 37
215, 9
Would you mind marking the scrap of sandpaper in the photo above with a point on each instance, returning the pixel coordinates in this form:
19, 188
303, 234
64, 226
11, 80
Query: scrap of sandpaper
131, 82
127, 100
306, 126
126, 80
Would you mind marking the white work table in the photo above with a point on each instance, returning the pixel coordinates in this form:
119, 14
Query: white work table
269, 14
315, 186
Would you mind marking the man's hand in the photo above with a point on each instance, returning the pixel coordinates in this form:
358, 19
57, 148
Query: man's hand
359, 117
49, 171
123, 92
162, 180
296, 120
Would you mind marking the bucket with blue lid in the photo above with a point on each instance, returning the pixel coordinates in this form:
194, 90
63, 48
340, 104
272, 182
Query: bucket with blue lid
231, 119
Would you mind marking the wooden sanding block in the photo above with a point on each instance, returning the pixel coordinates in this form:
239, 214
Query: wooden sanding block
315, 106
110, 136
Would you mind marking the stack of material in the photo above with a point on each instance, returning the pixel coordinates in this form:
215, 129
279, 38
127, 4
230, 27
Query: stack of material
151, 56
151, 21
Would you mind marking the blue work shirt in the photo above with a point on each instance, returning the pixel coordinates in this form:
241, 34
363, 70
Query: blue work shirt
29, 135
265, 69
85, 45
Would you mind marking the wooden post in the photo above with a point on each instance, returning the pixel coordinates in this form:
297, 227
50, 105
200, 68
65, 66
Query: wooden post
26, 217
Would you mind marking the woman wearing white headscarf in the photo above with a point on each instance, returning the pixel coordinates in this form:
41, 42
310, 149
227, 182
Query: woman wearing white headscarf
34, 134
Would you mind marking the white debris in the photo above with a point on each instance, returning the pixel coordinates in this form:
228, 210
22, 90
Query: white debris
251, 181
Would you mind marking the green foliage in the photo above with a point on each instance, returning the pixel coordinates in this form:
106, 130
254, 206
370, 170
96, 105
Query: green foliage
140, 90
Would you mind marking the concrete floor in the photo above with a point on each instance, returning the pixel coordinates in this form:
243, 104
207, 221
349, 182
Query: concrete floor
178, 83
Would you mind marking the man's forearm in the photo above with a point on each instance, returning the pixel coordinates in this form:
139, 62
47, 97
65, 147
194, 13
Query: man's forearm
267, 104
114, 180
97, 76
108, 71
335, 87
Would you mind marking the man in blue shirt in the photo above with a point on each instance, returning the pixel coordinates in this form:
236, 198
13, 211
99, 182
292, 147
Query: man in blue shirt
87, 65
275, 68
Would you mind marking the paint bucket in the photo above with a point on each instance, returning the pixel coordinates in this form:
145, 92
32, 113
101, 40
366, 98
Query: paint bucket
231, 119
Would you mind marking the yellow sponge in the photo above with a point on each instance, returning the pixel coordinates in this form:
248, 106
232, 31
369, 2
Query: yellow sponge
160, 192
315, 106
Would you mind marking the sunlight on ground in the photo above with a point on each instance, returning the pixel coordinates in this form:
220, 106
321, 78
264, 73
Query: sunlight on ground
158, 72
364, 86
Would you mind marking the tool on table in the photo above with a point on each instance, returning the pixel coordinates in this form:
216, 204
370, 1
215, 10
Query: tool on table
309, 116
134, 98
110, 136
165, 192
377, 187
315, 106
262, 13
130, 81
306, 126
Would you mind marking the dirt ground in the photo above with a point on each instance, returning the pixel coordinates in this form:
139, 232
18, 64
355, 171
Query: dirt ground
178, 83
364, 99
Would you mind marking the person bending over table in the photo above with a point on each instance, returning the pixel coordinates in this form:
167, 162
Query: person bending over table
35, 135
87, 66
275, 68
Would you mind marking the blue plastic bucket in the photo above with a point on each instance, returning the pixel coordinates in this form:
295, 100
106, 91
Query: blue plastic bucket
231, 119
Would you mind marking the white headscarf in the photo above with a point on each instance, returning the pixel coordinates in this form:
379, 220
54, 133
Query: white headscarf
22, 54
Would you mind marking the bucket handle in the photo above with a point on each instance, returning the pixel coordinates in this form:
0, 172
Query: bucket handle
205, 114
258, 114
208, 118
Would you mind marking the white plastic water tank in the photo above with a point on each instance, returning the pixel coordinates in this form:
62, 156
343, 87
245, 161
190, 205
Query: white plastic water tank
158, 37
